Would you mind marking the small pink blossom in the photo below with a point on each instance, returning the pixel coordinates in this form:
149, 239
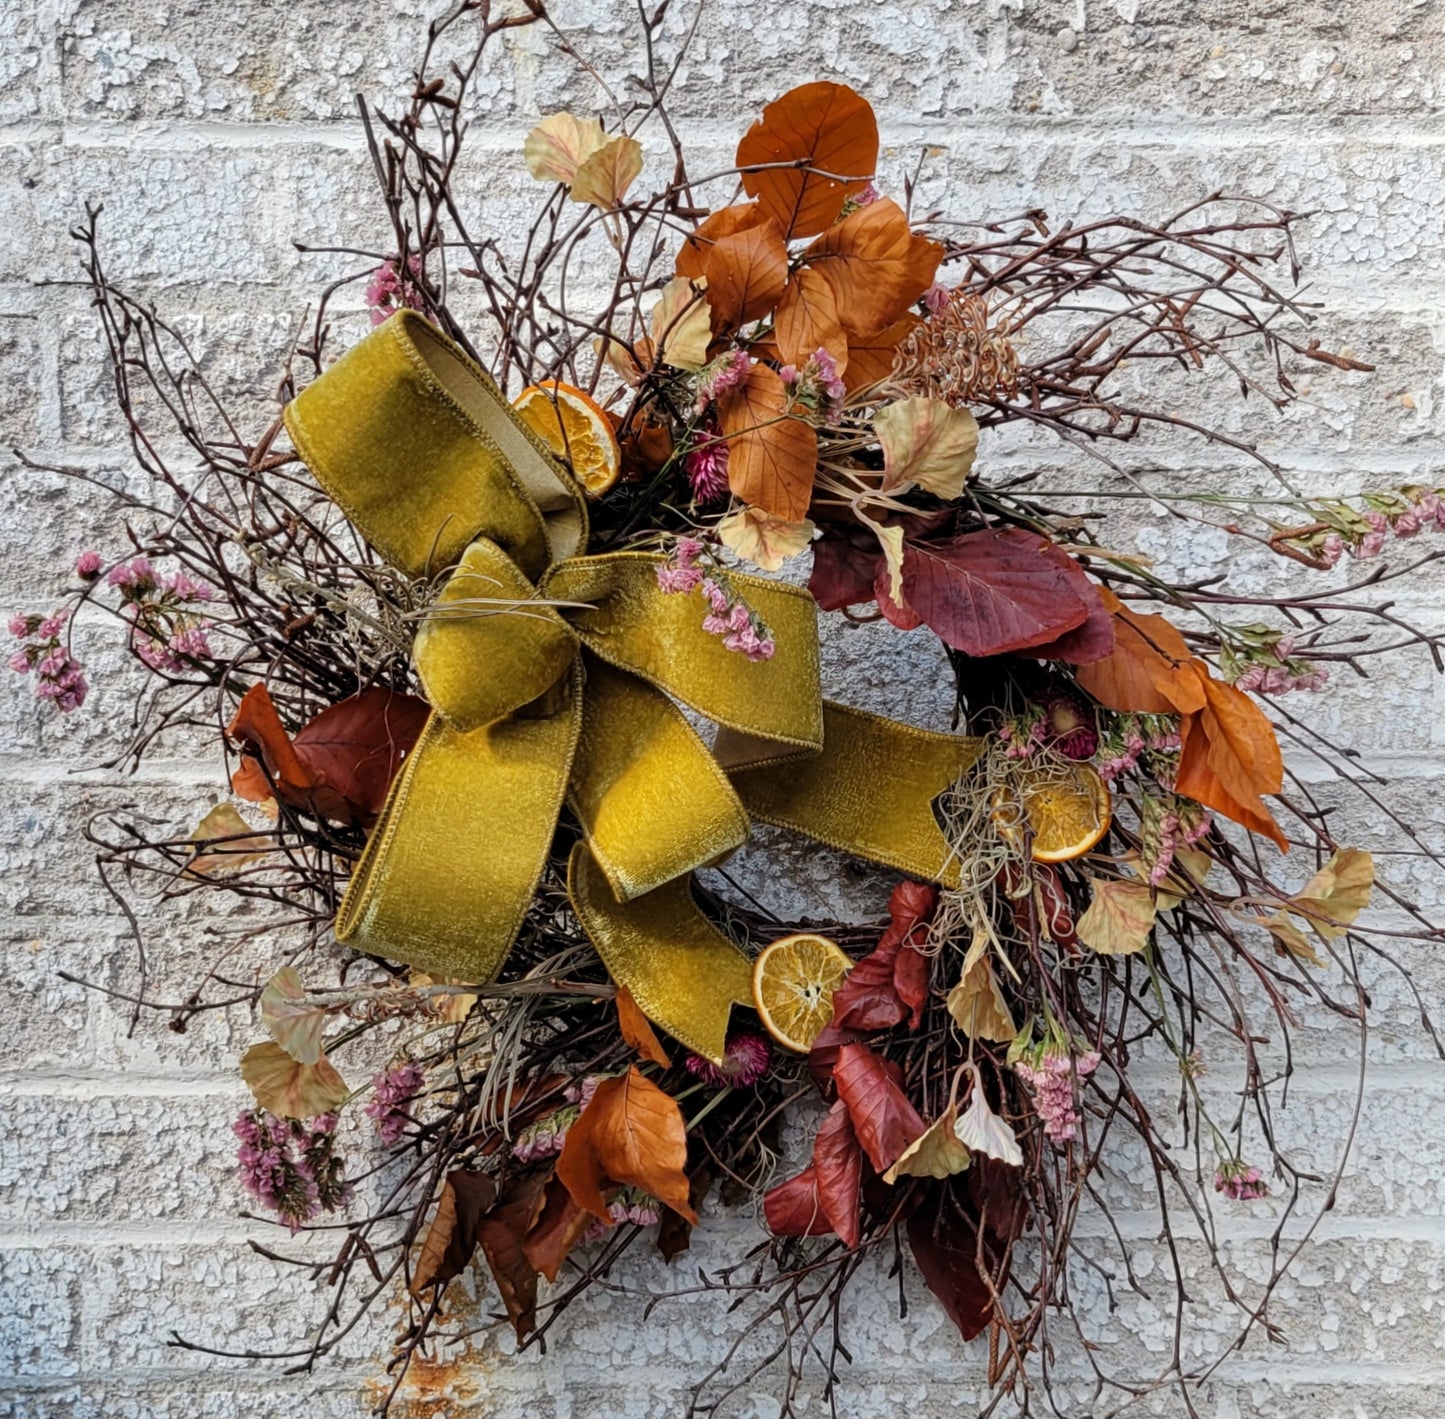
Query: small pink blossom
1052, 1081
290, 1166
87, 565
391, 1091
745, 1061
726, 372
937, 297
1240, 1182
389, 291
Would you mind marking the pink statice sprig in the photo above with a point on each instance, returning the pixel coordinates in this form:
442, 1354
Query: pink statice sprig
728, 614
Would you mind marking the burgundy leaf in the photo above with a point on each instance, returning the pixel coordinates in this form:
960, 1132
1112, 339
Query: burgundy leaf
794, 1208
896, 613
838, 1166
994, 591
1086, 643
885, 1122
845, 560
945, 1246
892, 980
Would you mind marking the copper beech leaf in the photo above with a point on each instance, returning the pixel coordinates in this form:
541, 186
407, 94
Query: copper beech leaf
994, 592
341, 763
631, 1133
935, 1153
845, 565
945, 1246
838, 1163
637, 1030
451, 1237
926, 443
1332, 899
875, 265
559, 1226
772, 457
889, 984
1119, 918
286, 1087
885, 1122
502, 1232
746, 273
1146, 671
828, 137
795, 1209
807, 321
871, 357
681, 326
726, 221
294, 1022
604, 176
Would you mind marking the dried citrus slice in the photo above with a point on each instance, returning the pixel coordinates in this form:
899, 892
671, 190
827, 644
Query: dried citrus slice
576, 429
1068, 807
793, 984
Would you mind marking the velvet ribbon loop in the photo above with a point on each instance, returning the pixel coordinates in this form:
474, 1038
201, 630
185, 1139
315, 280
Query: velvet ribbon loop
557, 678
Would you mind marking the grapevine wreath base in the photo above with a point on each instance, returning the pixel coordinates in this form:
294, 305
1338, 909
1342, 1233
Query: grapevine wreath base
462, 615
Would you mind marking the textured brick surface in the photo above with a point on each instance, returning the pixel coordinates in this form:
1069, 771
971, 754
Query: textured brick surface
220, 132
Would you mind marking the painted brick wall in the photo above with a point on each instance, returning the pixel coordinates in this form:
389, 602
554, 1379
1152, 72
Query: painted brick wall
217, 131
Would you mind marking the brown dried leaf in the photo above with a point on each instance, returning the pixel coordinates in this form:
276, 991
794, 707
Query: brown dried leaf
871, 357
821, 126
875, 265
451, 1238
746, 275
807, 321
692, 259
294, 1023
1337, 893
772, 458
560, 1225
1120, 917
289, 1089
630, 1133
502, 1232
637, 1031
604, 176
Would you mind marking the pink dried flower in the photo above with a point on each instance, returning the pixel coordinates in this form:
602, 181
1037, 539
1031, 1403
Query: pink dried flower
745, 1061
290, 1166
1239, 1182
1332, 549
726, 372
937, 297
59, 676
868, 194
391, 1091
707, 467
1071, 725
389, 291
1193, 1065
1051, 1078
23, 625
87, 565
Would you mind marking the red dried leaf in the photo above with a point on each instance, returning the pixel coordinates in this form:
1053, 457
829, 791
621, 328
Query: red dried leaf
794, 1208
257, 728
946, 1250
747, 274
870, 357
501, 1233
838, 1167
771, 458
1092, 641
845, 562
560, 1225
630, 1133
452, 1236
875, 265
994, 592
807, 321
692, 259
637, 1030
891, 982
885, 1122
824, 126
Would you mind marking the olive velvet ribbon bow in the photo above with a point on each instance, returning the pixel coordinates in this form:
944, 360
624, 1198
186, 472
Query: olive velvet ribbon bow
557, 677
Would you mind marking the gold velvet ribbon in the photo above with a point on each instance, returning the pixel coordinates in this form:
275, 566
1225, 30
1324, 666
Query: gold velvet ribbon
555, 677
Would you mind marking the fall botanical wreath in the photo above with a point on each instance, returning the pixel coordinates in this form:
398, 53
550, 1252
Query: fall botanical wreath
467, 607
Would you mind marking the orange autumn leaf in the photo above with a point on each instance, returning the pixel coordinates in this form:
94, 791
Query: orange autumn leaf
725, 222
257, 726
875, 265
771, 457
636, 1029
1147, 671
559, 1226
870, 357
821, 126
630, 1134
1230, 756
807, 321
746, 274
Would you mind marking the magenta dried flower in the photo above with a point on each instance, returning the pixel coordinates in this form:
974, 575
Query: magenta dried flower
707, 467
391, 1091
290, 1165
388, 290
1071, 725
59, 676
87, 565
1051, 1077
1239, 1182
745, 1061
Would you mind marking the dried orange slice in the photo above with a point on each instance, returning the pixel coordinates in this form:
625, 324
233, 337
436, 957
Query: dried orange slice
1068, 807
576, 429
793, 984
